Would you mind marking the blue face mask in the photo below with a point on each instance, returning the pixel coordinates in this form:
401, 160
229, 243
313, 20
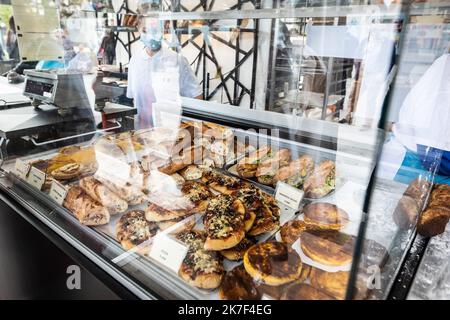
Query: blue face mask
151, 41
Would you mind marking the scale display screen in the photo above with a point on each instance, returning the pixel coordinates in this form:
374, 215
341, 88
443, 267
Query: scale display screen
39, 88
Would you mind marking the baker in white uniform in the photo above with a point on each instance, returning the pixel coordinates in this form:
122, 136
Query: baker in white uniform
420, 143
151, 59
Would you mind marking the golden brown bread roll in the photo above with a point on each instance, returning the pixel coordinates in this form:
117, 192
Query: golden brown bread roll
322, 215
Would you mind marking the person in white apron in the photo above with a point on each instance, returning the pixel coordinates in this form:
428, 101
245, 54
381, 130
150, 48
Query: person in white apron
154, 56
420, 143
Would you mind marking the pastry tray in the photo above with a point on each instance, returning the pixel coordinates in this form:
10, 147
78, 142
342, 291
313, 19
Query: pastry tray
297, 150
108, 231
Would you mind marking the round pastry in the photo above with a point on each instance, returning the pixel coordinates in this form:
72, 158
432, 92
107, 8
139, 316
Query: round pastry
335, 284
301, 291
273, 263
238, 285
237, 252
200, 268
328, 247
290, 231
224, 223
133, 229
67, 172
275, 292
325, 216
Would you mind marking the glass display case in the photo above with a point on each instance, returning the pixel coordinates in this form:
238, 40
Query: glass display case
277, 191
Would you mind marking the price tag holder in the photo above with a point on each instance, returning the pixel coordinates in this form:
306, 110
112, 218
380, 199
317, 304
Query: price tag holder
288, 195
58, 192
168, 251
21, 169
36, 178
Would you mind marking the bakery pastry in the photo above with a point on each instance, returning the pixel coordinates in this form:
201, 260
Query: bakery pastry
433, 221
296, 172
238, 285
237, 252
222, 147
172, 166
322, 215
224, 223
267, 216
335, 284
273, 263
302, 291
290, 231
200, 268
331, 248
406, 213
197, 194
183, 227
268, 168
220, 182
216, 131
322, 181
103, 195
247, 166
440, 196
419, 190
252, 201
275, 292
133, 229
179, 180
133, 195
67, 172
192, 172
86, 210
162, 212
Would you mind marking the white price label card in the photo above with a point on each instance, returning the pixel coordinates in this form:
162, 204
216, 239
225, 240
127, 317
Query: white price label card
36, 178
58, 192
168, 251
288, 195
22, 168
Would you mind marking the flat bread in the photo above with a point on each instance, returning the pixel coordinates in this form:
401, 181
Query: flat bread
201, 268
224, 223
133, 229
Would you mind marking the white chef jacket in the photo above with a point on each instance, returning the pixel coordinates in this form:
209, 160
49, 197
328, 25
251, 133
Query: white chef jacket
140, 87
424, 118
